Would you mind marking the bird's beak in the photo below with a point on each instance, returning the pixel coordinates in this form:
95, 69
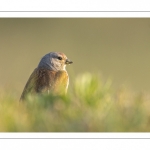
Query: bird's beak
68, 61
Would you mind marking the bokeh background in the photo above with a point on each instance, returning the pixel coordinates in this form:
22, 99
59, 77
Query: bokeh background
117, 48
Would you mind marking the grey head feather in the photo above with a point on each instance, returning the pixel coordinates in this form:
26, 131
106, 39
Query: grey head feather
50, 61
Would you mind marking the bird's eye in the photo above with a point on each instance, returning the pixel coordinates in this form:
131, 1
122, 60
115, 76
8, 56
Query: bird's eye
59, 58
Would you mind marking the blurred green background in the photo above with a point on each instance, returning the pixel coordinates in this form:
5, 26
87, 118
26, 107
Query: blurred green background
118, 48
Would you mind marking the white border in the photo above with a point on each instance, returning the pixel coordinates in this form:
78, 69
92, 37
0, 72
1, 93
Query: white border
75, 5
76, 135
75, 14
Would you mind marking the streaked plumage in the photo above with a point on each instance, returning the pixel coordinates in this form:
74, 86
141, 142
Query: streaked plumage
49, 77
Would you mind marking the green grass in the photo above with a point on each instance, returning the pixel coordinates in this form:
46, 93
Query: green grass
91, 105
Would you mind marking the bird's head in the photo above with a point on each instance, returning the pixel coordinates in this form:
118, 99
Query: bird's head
55, 61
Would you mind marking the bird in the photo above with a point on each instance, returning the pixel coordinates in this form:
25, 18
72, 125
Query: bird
50, 76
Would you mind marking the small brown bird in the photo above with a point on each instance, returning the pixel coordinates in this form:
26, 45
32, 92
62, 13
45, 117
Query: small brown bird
50, 76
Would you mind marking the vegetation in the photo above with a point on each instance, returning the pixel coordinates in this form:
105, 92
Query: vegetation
90, 106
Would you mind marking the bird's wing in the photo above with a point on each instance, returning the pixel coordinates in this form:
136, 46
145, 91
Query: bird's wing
41, 80
30, 85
